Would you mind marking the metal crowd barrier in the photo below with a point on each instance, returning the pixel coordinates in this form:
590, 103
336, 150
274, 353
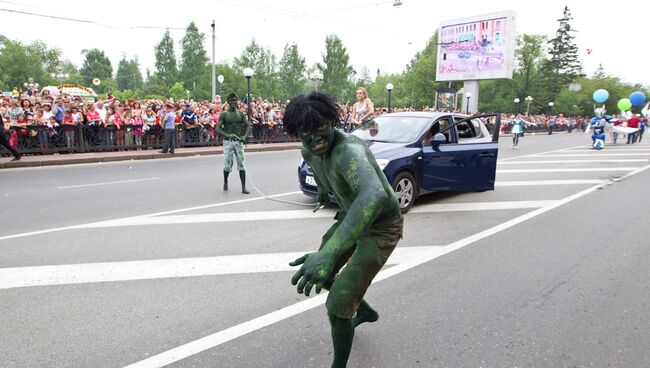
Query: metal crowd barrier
38, 139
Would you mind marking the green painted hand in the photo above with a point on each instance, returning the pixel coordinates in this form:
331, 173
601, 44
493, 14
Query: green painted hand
315, 270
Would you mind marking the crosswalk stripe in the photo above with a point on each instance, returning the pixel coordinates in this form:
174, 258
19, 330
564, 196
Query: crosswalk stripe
479, 206
545, 182
594, 154
572, 161
16, 277
581, 169
301, 214
609, 148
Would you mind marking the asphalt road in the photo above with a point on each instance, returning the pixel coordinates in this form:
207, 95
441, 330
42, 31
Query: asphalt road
149, 263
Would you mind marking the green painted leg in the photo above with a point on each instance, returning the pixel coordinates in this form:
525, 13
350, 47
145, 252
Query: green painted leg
364, 314
242, 177
342, 335
225, 180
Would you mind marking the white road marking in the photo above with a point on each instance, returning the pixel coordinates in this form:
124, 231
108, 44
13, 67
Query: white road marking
218, 338
583, 169
16, 277
301, 214
595, 154
214, 217
537, 154
479, 206
134, 218
574, 161
545, 182
612, 148
106, 183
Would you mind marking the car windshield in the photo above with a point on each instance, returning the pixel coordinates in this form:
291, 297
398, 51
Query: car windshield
392, 129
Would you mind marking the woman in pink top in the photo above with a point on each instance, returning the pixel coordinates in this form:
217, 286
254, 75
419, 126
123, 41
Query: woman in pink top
137, 130
115, 119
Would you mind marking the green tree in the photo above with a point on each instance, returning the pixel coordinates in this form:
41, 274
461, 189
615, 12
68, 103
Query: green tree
563, 65
233, 81
128, 75
166, 68
292, 72
364, 79
155, 87
499, 95
400, 95
421, 75
263, 62
193, 61
96, 65
178, 91
600, 72
336, 69
67, 67
20, 62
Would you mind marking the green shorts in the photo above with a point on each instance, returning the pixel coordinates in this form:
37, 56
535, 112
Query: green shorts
362, 263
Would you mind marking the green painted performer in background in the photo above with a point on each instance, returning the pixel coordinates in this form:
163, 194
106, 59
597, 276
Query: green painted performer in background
234, 128
368, 224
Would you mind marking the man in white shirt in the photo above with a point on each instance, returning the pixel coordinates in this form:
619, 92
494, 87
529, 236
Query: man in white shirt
99, 106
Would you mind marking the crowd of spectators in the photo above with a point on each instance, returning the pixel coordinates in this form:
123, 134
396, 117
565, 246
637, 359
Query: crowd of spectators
44, 123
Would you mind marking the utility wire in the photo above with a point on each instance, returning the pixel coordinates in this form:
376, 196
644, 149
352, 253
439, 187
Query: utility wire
84, 21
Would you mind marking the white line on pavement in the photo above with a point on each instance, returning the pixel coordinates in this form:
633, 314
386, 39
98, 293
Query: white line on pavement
302, 214
218, 338
545, 182
64, 228
573, 161
536, 154
595, 154
106, 183
588, 169
610, 148
16, 277
479, 206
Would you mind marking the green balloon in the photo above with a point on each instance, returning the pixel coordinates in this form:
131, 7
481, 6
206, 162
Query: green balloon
624, 104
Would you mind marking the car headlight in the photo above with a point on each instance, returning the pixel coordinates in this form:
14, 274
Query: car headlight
382, 162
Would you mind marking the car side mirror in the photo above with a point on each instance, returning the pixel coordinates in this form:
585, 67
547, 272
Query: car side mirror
438, 139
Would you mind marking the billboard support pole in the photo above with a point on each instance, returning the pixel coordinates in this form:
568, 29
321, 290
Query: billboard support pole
471, 87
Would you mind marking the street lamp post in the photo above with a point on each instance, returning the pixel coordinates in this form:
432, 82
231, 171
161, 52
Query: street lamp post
316, 76
214, 84
389, 88
188, 93
248, 73
468, 95
550, 107
220, 79
528, 99
516, 101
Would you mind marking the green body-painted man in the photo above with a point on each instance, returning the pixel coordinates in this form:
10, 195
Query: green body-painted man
368, 225
233, 128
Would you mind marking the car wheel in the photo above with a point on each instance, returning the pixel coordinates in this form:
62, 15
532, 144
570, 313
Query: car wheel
406, 190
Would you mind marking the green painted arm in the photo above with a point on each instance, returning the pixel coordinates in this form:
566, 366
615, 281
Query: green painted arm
370, 198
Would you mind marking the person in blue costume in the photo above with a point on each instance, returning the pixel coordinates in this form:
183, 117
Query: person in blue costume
597, 127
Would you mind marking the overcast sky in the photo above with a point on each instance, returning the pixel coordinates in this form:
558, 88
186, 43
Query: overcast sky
375, 33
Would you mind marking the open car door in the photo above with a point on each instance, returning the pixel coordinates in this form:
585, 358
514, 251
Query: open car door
463, 157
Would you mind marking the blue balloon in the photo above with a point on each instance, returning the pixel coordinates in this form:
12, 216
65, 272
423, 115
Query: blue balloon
601, 95
637, 98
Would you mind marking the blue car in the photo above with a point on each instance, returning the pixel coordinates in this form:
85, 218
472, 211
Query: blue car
424, 152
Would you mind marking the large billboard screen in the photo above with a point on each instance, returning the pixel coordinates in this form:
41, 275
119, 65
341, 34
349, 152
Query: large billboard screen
475, 48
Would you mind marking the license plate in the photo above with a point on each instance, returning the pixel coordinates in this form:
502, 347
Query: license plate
309, 180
